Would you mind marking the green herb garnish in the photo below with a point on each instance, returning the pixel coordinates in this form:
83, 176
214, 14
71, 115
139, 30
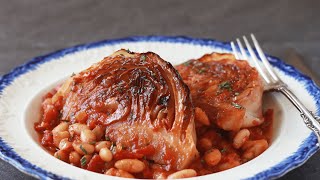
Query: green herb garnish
225, 85
73, 74
186, 63
128, 51
223, 150
113, 146
58, 156
142, 58
83, 150
201, 71
83, 161
107, 138
92, 143
202, 161
238, 106
120, 89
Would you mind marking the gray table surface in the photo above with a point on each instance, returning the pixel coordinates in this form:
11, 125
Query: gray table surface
287, 29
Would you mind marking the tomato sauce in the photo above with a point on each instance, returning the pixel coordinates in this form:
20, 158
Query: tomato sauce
220, 139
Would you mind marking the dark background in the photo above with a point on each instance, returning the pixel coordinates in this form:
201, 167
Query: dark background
287, 29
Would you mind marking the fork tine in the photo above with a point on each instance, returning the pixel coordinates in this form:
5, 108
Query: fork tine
255, 60
235, 52
263, 58
243, 53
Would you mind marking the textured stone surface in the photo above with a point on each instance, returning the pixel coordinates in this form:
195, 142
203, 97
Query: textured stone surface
287, 29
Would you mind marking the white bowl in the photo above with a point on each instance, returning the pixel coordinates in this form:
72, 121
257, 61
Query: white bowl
21, 91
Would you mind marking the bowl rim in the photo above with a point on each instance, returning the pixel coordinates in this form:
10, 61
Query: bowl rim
306, 149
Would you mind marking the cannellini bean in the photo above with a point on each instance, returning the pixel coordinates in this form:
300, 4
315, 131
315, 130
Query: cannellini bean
240, 138
186, 173
119, 173
63, 126
159, 175
130, 165
98, 131
58, 136
201, 116
65, 145
85, 160
81, 116
102, 144
253, 149
74, 158
205, 143
105, 154
76, 128
212, 157
62, 155
83, 148
228, 165
88, 136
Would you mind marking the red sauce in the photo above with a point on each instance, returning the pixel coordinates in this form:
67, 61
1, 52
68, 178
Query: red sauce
220, 139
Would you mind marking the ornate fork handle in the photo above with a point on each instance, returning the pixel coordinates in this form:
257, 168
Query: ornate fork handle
311, 120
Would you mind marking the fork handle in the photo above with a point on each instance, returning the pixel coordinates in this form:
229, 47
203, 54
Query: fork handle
309, 119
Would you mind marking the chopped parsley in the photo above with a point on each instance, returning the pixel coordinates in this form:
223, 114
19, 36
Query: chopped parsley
186, 63
107, 138
92, 143
202, 161
73, 74
83, 161
58, 156
83, 150
223, 150
128, 51
120, 89
238, 106
201, 71
113, 147
225, 85
142, 58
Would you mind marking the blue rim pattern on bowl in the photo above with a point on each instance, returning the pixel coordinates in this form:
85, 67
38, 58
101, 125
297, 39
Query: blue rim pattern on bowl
306, 149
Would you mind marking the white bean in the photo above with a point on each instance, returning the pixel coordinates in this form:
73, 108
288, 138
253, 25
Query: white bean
88, 136
58, 136
74, 158
205, 143
130, 165
253, 149
81, 116
240, 138
62, 155
85, 160
83, 148
63, 126
186, 173
65, 145
118, 173
102, 144
212, 157
105, 154
98, 131
76, 128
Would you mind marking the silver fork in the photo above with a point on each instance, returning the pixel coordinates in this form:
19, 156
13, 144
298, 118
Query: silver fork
273, 82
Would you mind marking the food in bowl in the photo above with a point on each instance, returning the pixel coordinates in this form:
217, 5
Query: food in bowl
132, 115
